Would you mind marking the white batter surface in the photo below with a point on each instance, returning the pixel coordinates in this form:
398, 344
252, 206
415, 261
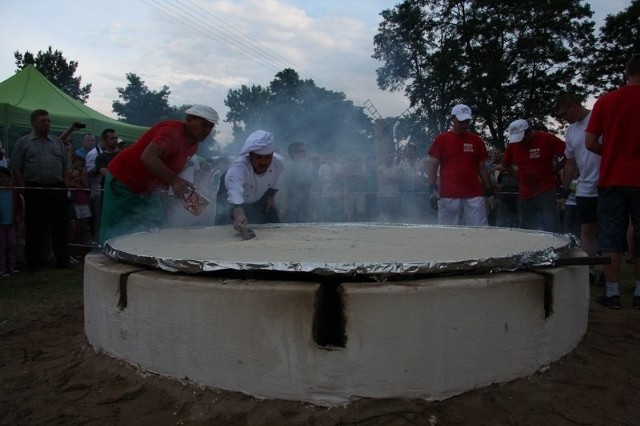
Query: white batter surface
336, 244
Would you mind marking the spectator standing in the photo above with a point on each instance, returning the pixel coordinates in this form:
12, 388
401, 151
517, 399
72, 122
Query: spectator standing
460, 156
389, 179
535, 154
87, 143
354, 187
152, 164
615, 118
79, 182
506, 186
41, 164
295, 193
581, 162
414, 185
11, 209
331, 178
95, 179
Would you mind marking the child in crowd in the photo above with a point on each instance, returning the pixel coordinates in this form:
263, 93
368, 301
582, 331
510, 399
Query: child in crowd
80, 200
11, 208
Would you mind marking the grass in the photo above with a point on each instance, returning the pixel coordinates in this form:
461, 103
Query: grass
26, 296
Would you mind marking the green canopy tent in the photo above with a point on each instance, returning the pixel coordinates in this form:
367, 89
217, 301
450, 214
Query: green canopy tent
29, 90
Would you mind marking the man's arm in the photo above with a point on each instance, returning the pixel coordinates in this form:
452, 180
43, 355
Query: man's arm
484, 177
432, 171
74, 126
569, 172
152, 159
592, 144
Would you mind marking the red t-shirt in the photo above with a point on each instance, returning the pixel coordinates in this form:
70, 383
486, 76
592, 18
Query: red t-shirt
127, 168
535, 163
615, 116
459, 155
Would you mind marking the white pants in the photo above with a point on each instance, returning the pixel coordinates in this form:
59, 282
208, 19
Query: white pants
462, 211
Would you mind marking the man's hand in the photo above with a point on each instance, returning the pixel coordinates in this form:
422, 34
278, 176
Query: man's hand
181, 187
239, 218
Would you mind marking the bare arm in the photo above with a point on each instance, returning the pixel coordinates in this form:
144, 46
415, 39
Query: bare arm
74, 126
152, 159
432, 171
569, 172
592, 144
484, 176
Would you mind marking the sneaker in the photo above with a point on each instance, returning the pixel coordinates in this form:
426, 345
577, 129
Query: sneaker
612, 302
5, 273
636, 302
14, 271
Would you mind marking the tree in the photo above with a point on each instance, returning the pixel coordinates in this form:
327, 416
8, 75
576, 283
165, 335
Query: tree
619, 39
57, 70
142, 106
295, 109
506, 60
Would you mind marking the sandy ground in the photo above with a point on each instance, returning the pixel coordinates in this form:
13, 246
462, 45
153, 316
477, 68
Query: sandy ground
49, 375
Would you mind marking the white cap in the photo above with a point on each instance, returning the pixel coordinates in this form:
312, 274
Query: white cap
462, 112
517, 129
260, 142
205, 112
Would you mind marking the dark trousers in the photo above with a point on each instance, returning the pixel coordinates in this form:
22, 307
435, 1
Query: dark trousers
46, 216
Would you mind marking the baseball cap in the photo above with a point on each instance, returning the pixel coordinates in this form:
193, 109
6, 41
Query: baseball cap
462, 112
517, 129
205, 112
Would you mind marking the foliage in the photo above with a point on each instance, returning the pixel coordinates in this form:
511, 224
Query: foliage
619, 39
295, 109
506, 60
140, 105
57, 70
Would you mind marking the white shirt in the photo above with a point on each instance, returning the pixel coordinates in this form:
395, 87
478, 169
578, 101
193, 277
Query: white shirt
588, 162
95, 182
244, 186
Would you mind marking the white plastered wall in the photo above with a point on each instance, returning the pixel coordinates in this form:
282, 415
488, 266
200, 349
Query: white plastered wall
428, 339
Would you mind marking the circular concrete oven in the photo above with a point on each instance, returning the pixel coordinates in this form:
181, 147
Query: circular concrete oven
329, 312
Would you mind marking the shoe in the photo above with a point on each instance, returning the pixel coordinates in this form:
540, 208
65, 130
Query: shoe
612, 302
14, 271
5, 273
636, 302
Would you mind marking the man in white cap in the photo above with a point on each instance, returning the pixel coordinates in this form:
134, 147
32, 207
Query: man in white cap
537, 156
247, 190
153, 163
464, 180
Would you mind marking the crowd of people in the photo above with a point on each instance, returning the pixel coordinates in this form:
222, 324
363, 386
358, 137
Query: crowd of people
587, 184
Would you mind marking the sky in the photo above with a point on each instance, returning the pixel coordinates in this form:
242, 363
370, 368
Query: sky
201, 49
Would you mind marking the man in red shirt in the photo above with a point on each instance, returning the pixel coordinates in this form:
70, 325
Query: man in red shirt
131, 200
460, 155
535, 154
615, 118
